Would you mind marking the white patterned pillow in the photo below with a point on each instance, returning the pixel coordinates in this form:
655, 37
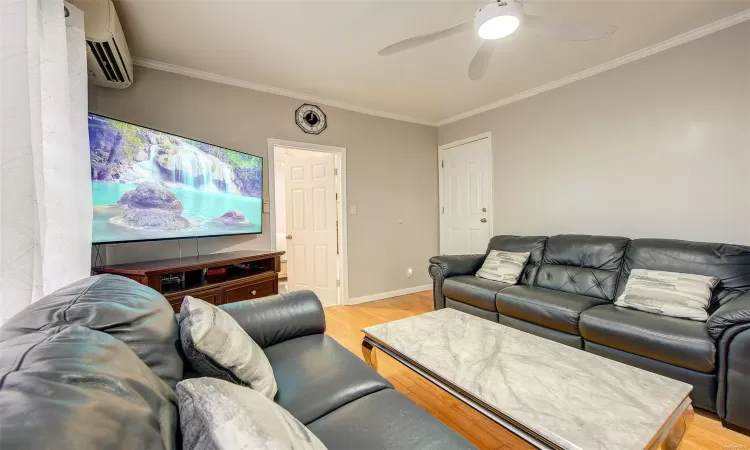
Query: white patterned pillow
217, 415
673, 294
503, 266
217, 346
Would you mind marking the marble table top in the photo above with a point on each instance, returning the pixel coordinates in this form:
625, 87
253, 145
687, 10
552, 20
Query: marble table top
574, 399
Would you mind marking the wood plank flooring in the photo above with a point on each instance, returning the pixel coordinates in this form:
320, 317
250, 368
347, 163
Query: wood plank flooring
345, 323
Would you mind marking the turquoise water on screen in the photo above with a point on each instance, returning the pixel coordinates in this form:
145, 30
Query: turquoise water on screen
200, 208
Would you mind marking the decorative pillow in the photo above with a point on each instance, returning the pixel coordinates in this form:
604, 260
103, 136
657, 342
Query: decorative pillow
503, 266
216, 415
218, 347
673, 294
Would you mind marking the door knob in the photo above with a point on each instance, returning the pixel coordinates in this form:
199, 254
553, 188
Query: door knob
484, 209
289, 237
483, 220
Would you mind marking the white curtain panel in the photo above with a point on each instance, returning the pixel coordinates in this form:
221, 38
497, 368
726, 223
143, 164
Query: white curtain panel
45, 191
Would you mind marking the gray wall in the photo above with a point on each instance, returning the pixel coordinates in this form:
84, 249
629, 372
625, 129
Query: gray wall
391, 170
656, 148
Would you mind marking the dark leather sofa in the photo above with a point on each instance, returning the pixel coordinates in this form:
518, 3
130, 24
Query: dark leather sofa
566, 293
94, 366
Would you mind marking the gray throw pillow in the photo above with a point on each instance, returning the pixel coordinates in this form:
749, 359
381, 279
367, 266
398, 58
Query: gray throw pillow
682, 295
217, 346
216, 415
503, 266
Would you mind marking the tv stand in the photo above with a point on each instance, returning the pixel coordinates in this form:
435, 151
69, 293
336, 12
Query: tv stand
216, 278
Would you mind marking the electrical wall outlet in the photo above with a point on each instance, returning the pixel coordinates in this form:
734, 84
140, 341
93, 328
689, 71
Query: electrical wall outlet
409, 272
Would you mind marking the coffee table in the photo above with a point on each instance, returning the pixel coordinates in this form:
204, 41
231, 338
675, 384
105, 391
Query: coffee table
549, 394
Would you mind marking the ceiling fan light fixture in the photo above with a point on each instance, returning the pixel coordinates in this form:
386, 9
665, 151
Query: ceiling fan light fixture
498, 27
497, 20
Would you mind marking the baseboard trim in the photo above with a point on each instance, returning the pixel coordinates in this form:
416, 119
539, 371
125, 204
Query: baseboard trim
382, 295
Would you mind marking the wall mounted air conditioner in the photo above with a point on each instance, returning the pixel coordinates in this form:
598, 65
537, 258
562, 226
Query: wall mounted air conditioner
109, 62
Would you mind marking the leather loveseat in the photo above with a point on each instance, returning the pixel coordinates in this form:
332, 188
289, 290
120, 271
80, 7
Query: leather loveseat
94, 366
566, 293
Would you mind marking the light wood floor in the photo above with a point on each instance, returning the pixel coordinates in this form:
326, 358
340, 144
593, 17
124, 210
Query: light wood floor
345, 323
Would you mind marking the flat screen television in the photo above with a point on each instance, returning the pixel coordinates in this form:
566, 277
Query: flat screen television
150, 185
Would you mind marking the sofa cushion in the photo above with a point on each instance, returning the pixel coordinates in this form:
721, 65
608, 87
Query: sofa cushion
473, 310
582, 264
316, 375
729, 263
522, 244
385, 420
70, 387
131, 312
545, 307
680, 342
473, 291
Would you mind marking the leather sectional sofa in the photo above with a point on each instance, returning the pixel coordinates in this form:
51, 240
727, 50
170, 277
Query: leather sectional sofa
566, 293
94, 365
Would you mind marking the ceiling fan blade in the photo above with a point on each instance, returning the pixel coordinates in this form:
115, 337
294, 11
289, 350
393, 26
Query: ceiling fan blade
481, 61
416, 41
567, 31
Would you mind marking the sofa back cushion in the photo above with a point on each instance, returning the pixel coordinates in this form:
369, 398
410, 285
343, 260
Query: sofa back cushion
522, 244
71, 387
582, 264
92, 365
129, 311
729, 263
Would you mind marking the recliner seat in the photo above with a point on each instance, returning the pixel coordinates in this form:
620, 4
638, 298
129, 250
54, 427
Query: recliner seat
680, 342
552, 309
474, 291
566, 293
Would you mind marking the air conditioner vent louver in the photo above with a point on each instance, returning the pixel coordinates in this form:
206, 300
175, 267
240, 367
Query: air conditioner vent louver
109, 62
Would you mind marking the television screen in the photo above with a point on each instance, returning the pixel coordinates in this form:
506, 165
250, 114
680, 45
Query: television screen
150, 185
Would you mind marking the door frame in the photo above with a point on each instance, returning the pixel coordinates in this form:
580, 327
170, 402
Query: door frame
441, 205
341, 180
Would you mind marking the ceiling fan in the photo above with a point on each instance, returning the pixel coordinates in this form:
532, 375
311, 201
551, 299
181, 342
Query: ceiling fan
501, 19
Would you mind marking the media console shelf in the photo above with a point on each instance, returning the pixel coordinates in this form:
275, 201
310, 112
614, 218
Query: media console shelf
216, 278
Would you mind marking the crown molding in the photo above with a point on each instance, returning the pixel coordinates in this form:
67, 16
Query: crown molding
648, 51
697, 33
216, 78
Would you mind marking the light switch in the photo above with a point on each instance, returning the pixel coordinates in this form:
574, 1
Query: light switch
266, 206
353, 210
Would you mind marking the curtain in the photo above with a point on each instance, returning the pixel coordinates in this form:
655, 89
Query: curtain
45, 192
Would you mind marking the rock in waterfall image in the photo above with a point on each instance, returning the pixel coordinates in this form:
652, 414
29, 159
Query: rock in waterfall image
147, 184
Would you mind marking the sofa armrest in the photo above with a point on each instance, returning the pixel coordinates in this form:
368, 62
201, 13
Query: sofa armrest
733, 312
452, 265
278, 318
442, 267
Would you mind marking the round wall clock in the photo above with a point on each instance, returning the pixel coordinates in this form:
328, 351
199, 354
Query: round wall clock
311, 119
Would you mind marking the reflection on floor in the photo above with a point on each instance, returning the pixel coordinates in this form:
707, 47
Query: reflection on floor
345, 322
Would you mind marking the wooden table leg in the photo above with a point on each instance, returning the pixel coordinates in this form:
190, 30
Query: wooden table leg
368, 351
677, 433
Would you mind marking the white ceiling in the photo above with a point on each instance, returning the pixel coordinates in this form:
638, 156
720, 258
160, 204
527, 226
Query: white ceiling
329, 49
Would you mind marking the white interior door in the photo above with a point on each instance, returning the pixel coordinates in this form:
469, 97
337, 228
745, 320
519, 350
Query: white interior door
311, 224
466, 209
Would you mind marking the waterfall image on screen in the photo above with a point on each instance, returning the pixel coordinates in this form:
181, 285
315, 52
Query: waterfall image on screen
149, 185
